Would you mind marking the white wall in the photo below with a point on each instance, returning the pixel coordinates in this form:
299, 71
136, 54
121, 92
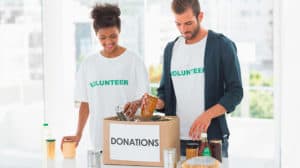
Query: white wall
289, 82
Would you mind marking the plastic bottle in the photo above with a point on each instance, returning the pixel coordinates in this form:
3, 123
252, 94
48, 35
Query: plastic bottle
204, 148
46, 134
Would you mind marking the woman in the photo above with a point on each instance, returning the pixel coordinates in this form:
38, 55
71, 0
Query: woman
111, 77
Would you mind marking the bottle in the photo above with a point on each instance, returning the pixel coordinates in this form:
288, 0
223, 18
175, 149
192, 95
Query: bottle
204, 148
46, 134
50, 149
216, 149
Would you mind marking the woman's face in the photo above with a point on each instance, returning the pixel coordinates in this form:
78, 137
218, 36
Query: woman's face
108, 38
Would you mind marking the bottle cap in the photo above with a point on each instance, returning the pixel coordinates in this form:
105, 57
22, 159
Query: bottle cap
192, 145
50, 140
45, 124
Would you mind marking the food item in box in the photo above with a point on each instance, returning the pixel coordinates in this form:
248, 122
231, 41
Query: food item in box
155, 118
121, 116
201, 162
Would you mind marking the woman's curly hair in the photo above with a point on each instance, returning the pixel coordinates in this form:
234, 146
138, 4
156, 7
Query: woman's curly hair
106, 15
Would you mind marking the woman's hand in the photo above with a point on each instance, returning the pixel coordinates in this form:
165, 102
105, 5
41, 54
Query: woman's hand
130, 108
75, 138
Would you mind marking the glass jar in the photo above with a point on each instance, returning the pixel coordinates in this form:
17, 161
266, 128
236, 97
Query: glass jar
191, 149
148, 109
216, 149
50, 149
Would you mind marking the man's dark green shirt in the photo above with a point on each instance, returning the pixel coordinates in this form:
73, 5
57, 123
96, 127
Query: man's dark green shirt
223, 84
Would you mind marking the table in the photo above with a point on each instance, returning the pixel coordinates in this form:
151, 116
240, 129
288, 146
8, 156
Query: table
81, 162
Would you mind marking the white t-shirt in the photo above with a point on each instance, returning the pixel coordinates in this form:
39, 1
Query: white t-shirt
106, 83
187, 72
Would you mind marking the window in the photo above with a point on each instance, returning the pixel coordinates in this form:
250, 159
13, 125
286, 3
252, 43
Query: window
21, 82
132, 20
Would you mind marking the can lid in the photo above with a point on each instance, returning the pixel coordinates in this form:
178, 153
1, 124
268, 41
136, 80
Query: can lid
50, 140
192, 145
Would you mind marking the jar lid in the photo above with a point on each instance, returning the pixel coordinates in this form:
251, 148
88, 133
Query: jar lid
192, 145
50, 140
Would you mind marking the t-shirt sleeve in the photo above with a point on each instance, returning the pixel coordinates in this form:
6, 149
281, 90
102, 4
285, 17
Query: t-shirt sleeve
81, 85
142, 79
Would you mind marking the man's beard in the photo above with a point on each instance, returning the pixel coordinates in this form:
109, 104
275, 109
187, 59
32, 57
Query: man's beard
193, 33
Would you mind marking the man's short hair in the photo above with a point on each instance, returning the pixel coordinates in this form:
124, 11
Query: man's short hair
180, 6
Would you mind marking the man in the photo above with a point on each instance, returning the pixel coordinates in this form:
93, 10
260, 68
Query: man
201, 78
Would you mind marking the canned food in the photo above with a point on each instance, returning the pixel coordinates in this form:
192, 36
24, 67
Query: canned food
169, 158
94, 159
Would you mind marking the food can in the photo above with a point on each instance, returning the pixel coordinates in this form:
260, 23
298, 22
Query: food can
94, 159
169, 158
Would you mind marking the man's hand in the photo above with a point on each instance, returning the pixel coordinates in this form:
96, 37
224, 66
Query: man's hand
200, 125
159, 105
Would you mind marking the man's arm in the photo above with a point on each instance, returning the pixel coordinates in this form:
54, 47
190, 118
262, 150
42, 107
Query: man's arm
232, 76
233, 90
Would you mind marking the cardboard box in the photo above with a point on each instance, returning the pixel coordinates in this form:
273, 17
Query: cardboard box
139, 143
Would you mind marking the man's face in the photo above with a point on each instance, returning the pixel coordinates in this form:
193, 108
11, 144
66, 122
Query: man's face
108, 38
188, 24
